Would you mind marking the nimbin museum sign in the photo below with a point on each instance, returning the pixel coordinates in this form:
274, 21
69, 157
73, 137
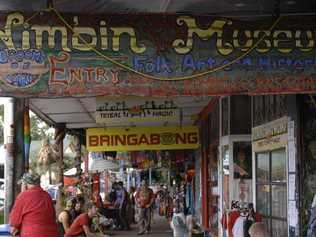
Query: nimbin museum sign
55, 55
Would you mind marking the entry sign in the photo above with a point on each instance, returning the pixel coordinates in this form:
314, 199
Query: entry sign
132, 109
145, 138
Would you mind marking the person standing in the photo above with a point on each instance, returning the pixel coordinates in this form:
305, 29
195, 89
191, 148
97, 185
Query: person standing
122, 203
131, 209
82, 224
33, 213
144, 199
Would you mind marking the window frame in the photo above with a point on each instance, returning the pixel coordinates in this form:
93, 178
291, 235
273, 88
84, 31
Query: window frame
269, 218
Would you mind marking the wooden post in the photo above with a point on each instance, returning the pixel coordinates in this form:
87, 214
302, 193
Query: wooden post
58, 147
19, 155
27, 134
14, 148
9, 157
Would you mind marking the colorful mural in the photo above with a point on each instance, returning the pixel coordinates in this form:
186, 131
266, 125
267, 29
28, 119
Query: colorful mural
49, 54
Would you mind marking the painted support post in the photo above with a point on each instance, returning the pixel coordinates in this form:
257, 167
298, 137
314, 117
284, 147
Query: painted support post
19, 155
27, 135
14, 144
9, 156
58, 147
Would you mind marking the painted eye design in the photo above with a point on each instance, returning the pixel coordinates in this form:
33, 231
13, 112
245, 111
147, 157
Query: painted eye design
22, 68
21, 80
168, 138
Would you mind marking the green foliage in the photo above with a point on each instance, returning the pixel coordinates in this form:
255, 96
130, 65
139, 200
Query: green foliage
39, 129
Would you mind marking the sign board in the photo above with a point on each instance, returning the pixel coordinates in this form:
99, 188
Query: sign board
56, 54
134, 110
143, 138
270, 136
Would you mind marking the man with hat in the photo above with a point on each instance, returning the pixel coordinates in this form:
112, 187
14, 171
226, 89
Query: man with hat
33, 213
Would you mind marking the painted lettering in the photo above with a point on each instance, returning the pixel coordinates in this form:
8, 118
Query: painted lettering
94, 140
281, 41
145, 64
132, 139
236, 40
51, 31
57, 74
155, 139
120, 140
104, 140
216, 28
80, 41
13, 19
193, 138
309, 41
143, 140
118, 32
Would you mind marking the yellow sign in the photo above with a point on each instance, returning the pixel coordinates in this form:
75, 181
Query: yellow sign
145, 138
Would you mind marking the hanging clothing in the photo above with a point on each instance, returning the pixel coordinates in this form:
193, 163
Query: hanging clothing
189, 199
229, 221
238, 228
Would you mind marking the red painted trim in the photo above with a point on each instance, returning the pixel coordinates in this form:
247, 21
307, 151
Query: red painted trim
208, 109
205, 196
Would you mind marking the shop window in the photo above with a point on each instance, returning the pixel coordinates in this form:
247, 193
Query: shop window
272, 191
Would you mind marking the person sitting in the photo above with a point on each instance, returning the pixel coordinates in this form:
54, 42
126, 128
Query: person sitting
82, 224
109, 211
77, 210
64, 218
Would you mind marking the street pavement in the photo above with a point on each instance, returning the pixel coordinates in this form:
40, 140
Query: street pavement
160, 228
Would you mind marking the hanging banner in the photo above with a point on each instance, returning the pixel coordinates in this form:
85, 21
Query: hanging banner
142, 138
134, 110
58, 55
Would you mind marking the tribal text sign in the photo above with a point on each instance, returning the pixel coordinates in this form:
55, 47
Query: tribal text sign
135, 110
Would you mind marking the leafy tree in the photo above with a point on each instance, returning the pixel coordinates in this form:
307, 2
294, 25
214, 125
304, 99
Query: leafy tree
39, 129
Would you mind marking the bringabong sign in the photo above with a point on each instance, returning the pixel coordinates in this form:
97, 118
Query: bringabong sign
58, 55
142, 138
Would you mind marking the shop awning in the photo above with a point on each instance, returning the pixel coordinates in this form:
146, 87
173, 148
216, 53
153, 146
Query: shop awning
80, 112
